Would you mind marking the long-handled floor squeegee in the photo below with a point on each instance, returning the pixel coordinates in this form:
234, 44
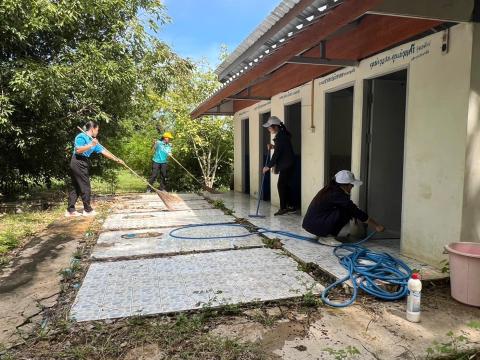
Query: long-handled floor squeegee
260, 195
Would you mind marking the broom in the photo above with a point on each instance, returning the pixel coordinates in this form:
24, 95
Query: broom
204, 187
163, 195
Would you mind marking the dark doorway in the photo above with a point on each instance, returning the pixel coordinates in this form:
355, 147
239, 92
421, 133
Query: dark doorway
264, 154
293, 122
338, 132
246, 156
383, 149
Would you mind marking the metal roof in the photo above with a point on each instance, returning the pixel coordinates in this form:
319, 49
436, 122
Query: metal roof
249, 52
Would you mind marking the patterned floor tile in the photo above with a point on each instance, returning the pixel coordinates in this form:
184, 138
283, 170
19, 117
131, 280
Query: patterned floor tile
143, 206
157, 241
187, 282
146, 220
309, 250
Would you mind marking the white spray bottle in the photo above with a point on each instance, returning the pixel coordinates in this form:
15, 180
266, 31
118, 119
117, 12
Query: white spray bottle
414, 296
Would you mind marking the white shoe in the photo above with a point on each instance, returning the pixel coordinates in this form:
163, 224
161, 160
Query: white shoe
90, 213
72, 214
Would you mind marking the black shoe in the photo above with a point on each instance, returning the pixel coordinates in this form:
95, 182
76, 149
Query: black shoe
281, 212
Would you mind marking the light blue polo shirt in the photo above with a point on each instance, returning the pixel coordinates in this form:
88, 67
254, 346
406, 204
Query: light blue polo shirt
162, 151
82, 140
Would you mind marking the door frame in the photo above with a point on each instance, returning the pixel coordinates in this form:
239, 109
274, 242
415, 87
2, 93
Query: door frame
297, 100
245, 122
366, 137
327, 141
262, 150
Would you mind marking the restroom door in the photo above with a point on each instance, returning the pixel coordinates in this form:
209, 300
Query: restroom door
265, 139
338, 132
293, 122
385, 136
246, 156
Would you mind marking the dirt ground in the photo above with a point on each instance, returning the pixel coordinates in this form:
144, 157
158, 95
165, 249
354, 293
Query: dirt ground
36, 300
31, 282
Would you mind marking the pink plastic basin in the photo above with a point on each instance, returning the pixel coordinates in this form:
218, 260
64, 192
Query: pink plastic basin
465, 272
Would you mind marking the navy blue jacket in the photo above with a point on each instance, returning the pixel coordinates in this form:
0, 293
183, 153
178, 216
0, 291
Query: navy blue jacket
283, 156
329, 213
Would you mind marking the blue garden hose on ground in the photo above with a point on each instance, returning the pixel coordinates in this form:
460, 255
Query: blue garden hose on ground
366, 268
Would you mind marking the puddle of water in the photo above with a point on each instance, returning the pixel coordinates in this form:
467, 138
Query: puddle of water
142, 235
138, 216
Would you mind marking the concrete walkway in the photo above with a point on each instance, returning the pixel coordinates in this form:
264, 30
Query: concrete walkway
139, 269
243, 205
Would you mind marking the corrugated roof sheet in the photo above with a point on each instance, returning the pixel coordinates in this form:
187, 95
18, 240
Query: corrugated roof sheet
249, 49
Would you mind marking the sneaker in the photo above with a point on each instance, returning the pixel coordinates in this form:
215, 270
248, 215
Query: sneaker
89, 213
72, 214
281, 212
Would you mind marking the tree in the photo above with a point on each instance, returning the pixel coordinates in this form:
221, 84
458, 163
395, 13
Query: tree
208, 139
63, 63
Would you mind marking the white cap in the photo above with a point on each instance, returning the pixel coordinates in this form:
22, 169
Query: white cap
272, 120
347, 177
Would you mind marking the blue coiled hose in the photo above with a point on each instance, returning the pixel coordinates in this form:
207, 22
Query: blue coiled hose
366, 268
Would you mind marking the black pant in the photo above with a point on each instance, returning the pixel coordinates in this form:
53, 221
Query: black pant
285, 189
159, 170
81, 183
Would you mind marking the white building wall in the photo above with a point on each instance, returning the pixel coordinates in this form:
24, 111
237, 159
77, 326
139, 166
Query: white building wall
438, 90
471, 204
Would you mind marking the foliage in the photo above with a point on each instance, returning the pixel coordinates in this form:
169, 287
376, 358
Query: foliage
445, 266
209, 139
348, 353
204, 146
65, 62
474, 324
451, 347
120, 182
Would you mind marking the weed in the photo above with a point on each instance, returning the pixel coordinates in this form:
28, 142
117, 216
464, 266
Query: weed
348, 353
309, 299
69, 273
273, 243
265, 319
445, 266
4, 260
219, 204
230, 309
451, 347
306, 267
78, 254
474, 324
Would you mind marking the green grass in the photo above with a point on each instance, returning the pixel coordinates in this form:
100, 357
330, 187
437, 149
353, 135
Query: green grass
14, 228
124, 182
186, 336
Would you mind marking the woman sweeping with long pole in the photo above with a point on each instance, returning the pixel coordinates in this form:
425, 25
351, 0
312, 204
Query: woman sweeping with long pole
85, 145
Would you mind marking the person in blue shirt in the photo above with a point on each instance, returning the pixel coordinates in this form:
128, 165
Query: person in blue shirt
84, 147
161, 150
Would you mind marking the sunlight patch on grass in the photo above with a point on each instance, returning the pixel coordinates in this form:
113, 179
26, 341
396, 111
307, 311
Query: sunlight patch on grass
14, 228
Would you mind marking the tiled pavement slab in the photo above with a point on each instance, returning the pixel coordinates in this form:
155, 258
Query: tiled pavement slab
115, 244
311, 251
142, 206
146, 220
187, 282
154, 196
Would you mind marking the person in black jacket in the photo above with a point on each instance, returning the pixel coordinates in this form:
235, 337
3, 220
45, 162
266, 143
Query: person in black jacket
331, 209
282, 161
